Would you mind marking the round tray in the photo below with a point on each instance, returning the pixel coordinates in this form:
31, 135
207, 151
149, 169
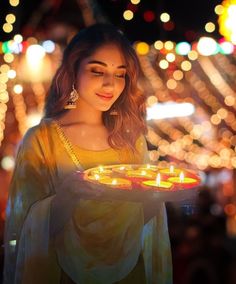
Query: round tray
134, 190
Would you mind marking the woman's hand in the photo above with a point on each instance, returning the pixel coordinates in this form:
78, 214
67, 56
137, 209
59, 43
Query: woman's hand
74, 187
68, 193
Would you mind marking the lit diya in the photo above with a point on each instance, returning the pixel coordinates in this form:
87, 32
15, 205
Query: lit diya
157, 183
101, 171
139, 173
121, 183
172, 171
181, 179
122, 168
148, 167
97, 177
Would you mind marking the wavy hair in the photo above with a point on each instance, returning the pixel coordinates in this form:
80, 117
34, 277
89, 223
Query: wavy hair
129, 123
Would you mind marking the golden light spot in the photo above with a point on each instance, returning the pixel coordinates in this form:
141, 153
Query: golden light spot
165, 17
152, 100
193, 55
229, 100
171, 84
170, 57
8, 57
7, 28
142, 48
222, 113
18, 38
210, 27
128, 15
178, 75
215, 119
186, 65
158, 44
169, 45
10, 18
18, 89
14, 3
163, 64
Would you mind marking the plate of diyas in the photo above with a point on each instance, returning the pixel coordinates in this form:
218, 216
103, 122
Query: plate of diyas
140, 182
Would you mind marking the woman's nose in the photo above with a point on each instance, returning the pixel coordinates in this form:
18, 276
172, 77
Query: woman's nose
108, 80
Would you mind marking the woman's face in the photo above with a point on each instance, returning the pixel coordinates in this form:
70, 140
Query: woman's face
101, 78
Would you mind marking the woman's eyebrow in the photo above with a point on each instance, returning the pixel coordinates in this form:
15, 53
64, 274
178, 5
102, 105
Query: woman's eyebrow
104, 64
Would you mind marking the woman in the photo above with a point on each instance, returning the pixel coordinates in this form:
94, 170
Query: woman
57, 229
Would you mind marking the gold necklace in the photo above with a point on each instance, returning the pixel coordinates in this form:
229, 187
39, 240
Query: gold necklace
67, 144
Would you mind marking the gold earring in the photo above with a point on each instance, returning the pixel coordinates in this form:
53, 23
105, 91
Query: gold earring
71, 103
113, 112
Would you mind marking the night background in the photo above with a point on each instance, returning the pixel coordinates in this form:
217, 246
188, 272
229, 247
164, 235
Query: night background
202, 229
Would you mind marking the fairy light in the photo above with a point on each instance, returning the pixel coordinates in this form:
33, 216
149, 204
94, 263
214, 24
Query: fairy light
164, 64
142, 48
128, 15
164, 17
10, 18
135, 2
168, 45
178, 75
186, 65
14, 3
6, 72
210, 27
158, 44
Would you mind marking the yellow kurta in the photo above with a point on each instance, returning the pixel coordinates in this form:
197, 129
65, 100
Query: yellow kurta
102, 241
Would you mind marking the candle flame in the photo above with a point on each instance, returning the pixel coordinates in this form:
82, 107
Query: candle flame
122, 168
171, 169
101, 169
158, 179
148, 166
143, 173
181, 177
96, 176
114, 182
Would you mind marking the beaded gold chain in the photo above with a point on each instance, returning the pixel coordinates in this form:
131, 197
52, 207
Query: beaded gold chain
67, 144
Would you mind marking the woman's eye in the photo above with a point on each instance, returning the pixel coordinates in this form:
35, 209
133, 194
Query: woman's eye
97, 73
120, 75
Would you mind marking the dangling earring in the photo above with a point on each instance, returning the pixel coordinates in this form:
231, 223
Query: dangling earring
71, 103
113, 112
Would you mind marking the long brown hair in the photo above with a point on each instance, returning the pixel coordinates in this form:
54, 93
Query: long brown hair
129, 123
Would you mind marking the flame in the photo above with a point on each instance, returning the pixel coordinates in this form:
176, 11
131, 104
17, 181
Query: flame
181, 177
96, 176
101, 169
171, 169
114, 182
143, 173
122, 168
158, 179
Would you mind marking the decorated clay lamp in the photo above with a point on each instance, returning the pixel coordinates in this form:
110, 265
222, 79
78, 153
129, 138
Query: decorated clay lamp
148, 167
172, 171
101, 171
140, 173
121, 183
182, 180
97, 177
122, 168
157, 183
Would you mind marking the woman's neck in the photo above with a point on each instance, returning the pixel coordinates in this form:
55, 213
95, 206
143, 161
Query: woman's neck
82, 115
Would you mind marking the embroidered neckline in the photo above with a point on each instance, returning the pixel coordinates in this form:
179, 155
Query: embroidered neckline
67, 144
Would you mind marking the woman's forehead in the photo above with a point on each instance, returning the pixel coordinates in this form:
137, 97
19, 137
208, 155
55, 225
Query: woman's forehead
108, 54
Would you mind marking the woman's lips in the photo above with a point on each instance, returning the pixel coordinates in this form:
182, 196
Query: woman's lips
106, 97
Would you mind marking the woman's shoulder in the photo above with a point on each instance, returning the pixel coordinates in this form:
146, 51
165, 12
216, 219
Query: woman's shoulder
39, 131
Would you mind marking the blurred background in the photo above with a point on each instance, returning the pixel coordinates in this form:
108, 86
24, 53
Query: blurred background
187, 50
